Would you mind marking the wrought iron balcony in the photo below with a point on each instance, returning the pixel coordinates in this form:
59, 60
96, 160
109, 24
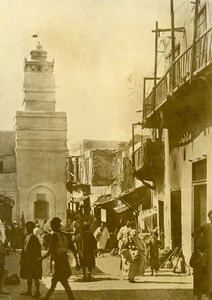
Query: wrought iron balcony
149, 160
192, 62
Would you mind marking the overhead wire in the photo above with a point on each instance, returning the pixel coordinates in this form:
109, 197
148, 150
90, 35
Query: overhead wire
152, 70
158, 62
186, 20
179, 6
187, 17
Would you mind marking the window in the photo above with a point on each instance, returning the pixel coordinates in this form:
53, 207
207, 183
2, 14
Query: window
1, 167
201, 43
199, 170
201, 21
41, 197
41, 207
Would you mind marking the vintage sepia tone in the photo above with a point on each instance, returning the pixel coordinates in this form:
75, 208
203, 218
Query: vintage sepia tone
105, 149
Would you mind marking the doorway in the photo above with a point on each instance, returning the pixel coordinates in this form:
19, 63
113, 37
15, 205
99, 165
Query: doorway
200, 213
199, 179
161, 222
176, 219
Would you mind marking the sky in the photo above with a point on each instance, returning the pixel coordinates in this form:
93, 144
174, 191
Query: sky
102, 50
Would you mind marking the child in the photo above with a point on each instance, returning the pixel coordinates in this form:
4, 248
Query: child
154, 245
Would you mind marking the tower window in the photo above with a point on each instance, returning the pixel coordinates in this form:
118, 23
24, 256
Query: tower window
41, 207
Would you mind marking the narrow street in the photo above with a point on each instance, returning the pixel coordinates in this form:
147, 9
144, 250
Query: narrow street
108, 284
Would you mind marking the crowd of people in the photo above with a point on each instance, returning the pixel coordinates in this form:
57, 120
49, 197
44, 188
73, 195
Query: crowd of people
85, 241
136, 252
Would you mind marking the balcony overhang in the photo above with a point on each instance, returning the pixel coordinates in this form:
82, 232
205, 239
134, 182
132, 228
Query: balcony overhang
192, 72
149, 161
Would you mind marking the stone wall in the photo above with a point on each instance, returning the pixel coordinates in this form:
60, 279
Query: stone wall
102, 167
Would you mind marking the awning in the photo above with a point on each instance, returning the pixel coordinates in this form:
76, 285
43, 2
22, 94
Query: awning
78, 200
81, 185
133, 198
121, 208
103, 199
106, 201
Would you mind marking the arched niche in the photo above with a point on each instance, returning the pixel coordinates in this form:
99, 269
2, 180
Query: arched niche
41, 203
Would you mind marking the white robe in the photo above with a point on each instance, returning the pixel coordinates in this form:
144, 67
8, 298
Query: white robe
2, 232
102, 237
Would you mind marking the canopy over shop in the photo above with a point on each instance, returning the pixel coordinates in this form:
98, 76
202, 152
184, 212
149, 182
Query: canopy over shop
103, 210
132, 202
116, 211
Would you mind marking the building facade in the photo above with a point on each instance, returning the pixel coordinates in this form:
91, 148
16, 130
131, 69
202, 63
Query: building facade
179, 110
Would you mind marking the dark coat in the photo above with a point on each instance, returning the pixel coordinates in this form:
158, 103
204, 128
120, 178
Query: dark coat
197, 262
31, 268
60, 244
2, 259
154, 245
206, 231
87, 248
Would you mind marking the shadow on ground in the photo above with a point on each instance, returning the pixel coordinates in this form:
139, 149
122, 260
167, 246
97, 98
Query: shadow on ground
147, 294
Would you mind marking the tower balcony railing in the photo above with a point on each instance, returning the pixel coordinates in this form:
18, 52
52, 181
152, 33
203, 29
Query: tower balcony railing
190, 63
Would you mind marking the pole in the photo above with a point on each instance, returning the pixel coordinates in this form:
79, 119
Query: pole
178, 258
156, 53
177, 29
148, 79
172, 254
144, 89
133, 147
173, 42
155, 71
193, 65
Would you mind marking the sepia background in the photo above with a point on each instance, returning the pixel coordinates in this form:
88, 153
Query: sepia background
102, 51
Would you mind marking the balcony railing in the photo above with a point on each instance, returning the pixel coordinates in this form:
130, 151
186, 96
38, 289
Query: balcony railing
192, 61
149, 160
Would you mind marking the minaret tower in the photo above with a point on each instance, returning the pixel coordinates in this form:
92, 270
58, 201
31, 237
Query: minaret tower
41, 143
39, 82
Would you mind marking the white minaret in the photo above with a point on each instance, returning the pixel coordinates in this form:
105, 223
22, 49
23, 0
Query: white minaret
39, 82
41, 144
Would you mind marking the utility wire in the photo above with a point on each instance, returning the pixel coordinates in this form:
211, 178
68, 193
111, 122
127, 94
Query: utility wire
179, 6
186, 18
